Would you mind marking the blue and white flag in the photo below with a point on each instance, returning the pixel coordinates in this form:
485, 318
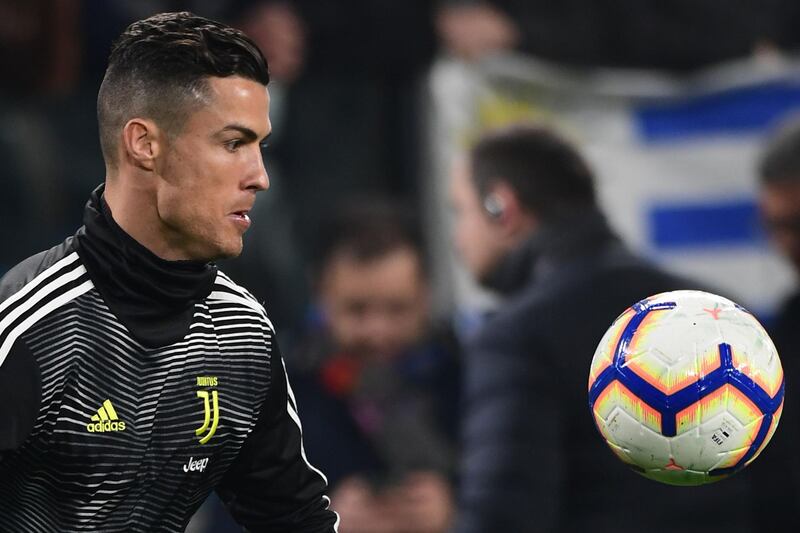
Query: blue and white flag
675, 159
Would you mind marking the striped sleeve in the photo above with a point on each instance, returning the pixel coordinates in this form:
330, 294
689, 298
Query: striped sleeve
29, 292
20, 396
272, 486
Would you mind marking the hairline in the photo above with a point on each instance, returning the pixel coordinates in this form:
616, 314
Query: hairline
173, 119
347, 254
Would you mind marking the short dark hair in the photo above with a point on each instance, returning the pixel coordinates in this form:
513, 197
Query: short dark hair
159, 69
545, 172
368, 228
780, 160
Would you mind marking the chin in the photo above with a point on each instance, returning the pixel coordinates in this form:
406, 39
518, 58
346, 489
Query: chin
231, 253
226, 251
479, 273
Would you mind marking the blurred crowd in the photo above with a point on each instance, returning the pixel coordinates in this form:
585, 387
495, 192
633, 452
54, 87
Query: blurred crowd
400, 408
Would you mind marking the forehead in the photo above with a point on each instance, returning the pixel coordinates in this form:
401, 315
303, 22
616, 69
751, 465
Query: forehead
396, 269
234, 100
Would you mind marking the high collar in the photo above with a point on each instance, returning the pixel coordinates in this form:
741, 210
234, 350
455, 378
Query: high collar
569, 241
154, 298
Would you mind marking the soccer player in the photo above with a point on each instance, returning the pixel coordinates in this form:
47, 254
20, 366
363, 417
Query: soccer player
135, 377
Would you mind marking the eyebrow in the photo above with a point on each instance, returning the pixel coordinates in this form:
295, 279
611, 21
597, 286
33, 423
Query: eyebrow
248, 134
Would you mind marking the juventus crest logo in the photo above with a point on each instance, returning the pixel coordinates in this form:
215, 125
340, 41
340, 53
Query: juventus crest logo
210, 407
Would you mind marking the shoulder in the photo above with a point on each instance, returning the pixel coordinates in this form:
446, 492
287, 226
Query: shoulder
544, 312
28, 292
784, 325
42, 269
789, 309
37, 287
227, 291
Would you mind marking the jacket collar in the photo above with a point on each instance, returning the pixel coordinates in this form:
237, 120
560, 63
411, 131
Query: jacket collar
567, 242
154, 298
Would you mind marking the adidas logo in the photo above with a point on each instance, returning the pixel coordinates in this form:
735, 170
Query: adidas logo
106, 419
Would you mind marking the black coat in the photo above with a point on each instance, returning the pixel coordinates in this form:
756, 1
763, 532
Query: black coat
533, 459
776, 473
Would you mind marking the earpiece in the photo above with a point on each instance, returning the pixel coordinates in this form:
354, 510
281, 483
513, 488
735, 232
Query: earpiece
494, 206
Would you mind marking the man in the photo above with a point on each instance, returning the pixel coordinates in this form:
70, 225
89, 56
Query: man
779, 199
378, 378
134, 377
528, 225
779, 204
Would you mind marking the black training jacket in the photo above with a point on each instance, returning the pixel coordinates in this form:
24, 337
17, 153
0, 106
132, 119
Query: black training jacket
131, 387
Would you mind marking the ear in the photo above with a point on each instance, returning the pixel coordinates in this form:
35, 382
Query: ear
509, 213
501, 204
142, 143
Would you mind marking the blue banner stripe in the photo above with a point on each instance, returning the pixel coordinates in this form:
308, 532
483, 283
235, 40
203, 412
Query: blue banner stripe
743, 110
729, 223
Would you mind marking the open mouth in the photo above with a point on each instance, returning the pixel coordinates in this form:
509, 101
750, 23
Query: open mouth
241, 218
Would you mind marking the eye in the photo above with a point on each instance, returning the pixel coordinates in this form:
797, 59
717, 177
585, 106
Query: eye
263, 145
233, 145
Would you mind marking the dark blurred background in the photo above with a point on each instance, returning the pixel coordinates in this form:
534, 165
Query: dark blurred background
350, 104
355, 108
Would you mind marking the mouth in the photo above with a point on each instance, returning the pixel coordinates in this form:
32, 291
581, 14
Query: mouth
242, 218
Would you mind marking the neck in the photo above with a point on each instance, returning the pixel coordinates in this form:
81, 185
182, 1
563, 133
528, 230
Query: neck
154, 298
524, 227
135, 210
552, 247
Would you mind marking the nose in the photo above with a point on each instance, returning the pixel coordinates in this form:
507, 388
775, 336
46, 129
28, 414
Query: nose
377, 329
259, 179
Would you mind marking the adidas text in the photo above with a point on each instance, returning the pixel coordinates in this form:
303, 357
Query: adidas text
106, 419
108, 425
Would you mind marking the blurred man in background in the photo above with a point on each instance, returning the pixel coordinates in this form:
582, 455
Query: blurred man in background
779, 203
377, 380
779, 173
528, 226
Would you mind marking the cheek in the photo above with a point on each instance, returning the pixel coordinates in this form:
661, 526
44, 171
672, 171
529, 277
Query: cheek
788, 241
197, 176
344, 325
464, 235
407, 328
181, 209
474, 239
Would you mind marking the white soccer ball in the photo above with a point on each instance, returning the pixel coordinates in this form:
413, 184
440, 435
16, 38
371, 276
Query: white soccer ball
686, 387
